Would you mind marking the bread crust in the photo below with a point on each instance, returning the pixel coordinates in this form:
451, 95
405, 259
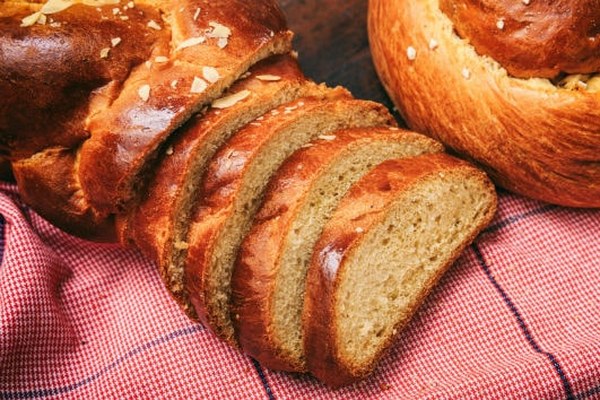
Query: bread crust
532, 137
127, 135
542, 38
151, 226
365, 206
225, 177
255, 275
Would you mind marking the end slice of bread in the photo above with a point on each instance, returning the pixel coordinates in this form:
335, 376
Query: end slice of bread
234, 186
391, 238
269, 278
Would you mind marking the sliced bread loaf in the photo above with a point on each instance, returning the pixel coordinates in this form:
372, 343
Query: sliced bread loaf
269, 278
159, 223
233, 188
391, 238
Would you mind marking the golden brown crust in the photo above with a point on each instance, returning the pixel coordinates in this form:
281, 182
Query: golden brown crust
126, 137
48, 182
48, 72
255, 275
151, 225
531, 137
365, 206
225, 177
541, 38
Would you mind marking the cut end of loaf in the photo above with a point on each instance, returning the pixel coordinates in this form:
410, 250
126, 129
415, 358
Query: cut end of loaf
388, 260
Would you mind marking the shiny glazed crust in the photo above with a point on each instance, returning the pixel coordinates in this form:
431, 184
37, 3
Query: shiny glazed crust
363, 208
532, 137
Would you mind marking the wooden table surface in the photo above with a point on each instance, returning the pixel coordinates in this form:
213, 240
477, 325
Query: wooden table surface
333, 46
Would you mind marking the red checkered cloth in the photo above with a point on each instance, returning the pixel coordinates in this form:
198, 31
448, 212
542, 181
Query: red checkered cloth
518, 316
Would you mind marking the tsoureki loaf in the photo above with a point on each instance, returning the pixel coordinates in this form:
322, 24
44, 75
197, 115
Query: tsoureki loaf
163, 125
513, 85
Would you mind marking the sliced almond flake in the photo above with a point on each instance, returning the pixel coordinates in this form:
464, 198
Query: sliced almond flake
115, 41
124, 17
152, 24
55, 6
161, 59
197, 13
246, 75
292, 108
193, 41
271, 33
231, 100
144, 92
210, 74
55, 24
131, 4
300, 104
148, 64
222, 43
219, 31
411, 53
394, 129
500, 24
169, 151
287, 112
268, 78
255, 124
116, 11
307, 145
359, 230
433, 44
104, 52
30, 19
274, 112
174, 83
42, 20
260, 118
466, 73
199, 85
327, 137
99, 3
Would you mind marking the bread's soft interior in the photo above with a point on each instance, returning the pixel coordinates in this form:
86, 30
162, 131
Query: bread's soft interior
400, 258
320, 203
319, 121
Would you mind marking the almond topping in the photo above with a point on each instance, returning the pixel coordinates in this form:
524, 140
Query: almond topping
115, 41
131, 4
174, 83
466, 73
104, 52
327, 137
169, 151
30, 19
210, 74
144, 92
197, 13
116, 11
433, 44
231, 100
199, 85
219, 31
152, 24
54, 6
222, 43
268, 78
359, 230
191, 42
161, 59
411, 53
500, 24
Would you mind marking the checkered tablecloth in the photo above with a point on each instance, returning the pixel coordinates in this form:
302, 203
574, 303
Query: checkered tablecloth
518, 316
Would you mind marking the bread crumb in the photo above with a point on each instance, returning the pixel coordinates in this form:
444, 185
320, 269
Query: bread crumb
411, 53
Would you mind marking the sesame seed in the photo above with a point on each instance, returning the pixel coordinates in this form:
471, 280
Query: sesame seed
411, 53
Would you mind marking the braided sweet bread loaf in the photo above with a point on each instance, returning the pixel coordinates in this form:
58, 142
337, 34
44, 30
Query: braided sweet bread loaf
514, 85
163, 125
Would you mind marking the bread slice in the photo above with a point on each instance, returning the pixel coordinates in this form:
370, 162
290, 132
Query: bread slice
391, 238
268, 280
236, 179
160, 221
204, 55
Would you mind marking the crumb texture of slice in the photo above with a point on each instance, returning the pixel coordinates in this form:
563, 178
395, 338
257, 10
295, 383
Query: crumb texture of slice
233, 190
269, 278
390, 240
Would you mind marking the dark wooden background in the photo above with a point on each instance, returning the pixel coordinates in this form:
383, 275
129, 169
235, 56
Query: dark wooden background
333, 46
